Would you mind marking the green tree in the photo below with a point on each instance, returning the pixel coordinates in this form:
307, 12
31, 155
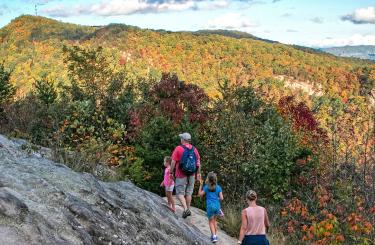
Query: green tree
90, 73
7, 90
45, 90
249, 145
157, 139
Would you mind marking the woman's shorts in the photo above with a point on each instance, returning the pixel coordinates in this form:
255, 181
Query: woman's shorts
255, 240
169, 188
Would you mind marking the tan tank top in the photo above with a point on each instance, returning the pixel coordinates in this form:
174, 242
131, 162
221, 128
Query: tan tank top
255, 221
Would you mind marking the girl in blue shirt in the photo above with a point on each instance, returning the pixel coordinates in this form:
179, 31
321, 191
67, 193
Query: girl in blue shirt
214, 196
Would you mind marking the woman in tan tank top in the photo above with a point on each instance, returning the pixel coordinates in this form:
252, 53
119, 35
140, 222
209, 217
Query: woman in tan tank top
255, 223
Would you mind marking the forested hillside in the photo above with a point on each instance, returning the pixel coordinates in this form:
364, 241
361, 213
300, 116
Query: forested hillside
295, 124
32, 46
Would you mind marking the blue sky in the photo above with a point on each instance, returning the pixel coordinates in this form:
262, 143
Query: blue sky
315, 23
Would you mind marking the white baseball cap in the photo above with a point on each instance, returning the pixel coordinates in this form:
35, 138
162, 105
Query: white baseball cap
185, 136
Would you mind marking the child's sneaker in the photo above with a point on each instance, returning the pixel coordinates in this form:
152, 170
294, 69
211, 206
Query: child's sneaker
214, 239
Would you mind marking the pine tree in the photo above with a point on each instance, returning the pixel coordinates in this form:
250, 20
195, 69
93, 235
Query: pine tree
45, 90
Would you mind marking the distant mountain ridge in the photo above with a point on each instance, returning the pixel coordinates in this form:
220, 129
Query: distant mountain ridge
233, 34
360, 51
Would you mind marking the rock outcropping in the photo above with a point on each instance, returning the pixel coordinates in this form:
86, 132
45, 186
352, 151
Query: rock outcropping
43, 202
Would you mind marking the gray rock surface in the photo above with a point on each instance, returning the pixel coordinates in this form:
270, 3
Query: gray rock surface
43, 202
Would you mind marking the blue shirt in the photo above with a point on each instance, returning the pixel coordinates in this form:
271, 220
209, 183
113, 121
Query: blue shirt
212, 197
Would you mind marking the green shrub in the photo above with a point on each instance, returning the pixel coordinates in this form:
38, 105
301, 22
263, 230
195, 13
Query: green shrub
85, 161
34, 119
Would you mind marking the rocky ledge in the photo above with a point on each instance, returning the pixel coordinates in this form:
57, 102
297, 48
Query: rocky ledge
43, 202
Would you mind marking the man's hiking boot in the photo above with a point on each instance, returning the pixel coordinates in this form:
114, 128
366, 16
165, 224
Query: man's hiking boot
186, 213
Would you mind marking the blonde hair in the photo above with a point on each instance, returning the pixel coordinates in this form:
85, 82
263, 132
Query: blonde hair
211, 181
251, 195
167, 160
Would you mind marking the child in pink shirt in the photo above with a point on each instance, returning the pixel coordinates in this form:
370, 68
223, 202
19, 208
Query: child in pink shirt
168, 183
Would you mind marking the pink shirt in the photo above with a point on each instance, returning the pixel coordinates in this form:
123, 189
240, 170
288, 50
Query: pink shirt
177, 156
255, 220
167, 181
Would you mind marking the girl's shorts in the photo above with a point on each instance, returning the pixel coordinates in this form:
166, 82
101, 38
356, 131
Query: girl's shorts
169, 188
213, 210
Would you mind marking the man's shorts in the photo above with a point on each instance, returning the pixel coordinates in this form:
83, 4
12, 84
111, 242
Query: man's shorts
185, 186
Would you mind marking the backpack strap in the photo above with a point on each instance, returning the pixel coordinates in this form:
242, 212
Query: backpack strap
192, 148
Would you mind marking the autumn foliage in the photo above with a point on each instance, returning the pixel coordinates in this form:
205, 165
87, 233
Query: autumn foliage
303, 121
304, 142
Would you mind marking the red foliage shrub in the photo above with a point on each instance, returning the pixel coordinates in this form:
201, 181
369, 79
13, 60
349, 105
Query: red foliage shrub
303, 121
176, 98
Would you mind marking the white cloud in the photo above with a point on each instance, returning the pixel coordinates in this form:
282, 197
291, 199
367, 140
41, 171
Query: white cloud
231, 21
361, 16
36, 1
118, 7
317, 20
356, 39
127, 7
62, 11
216, 4
286, 15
